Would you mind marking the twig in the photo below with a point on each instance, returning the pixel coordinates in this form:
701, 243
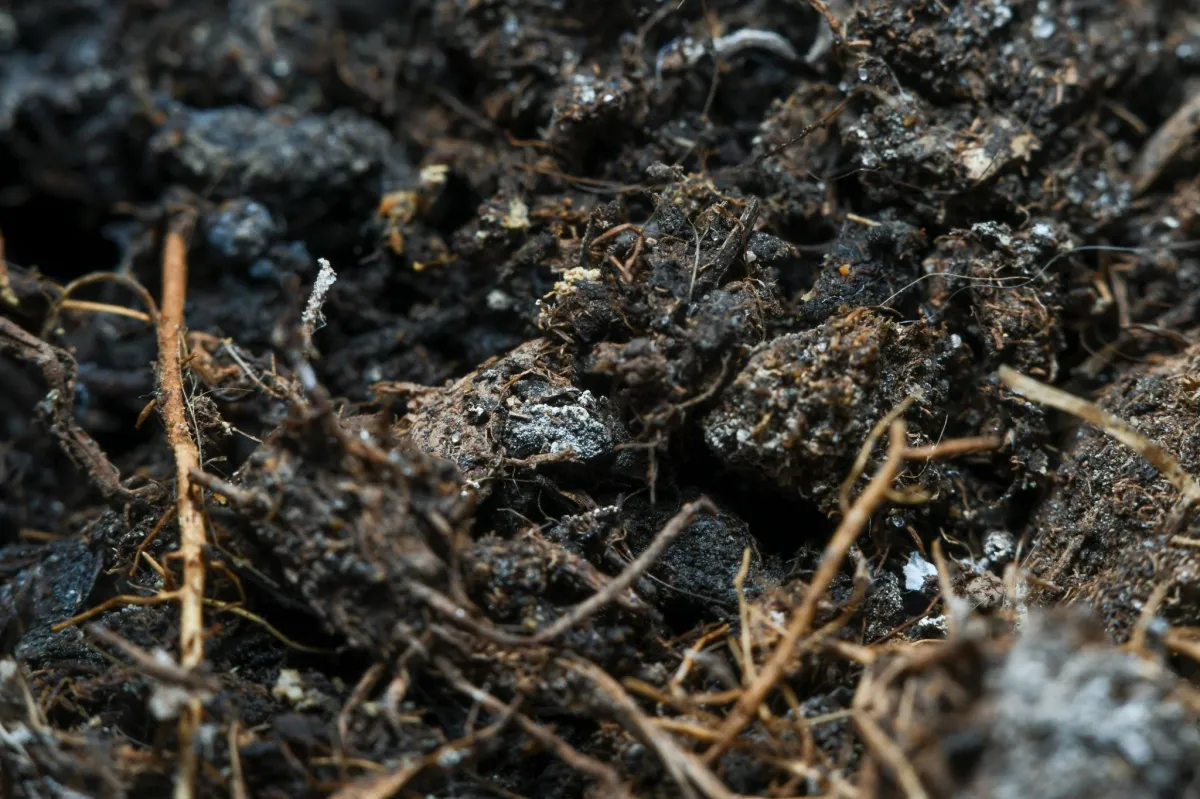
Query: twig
1179, 643
695, 263
88, 306
187, 457
957, 446
579, 613
357, 696
689, 657
238, 496
149, 539
614, 231
6, 292
157, 668
128, 282
171, 404
685, 768
835, 553
1168, 141
236, 777
59, 369
739, 580
603, 773
115, 602
886, 750
687, 728
1116, 428
680, 701
388, 784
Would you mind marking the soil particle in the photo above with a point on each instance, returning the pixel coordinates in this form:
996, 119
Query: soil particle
1032, 715
240, 231
520, 408
696, 573
308, 164
1016, 304
868, 266
799, 410
1102, 530
45, 585
358, 592
1064, 703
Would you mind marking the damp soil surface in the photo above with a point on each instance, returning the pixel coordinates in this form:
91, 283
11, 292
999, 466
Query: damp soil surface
632, 298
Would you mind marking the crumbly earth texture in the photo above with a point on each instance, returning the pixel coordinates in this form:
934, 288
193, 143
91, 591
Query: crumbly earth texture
1115, 533
599, 265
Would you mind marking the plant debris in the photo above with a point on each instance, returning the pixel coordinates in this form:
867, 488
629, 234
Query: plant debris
712, 399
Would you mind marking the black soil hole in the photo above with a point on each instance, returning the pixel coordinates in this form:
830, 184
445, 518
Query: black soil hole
60, 237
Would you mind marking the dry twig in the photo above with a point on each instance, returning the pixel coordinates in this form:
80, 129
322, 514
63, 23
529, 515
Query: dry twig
152, 666
1167, 142
64, 302
689, 773
602, 773
831, 561
1117, 429
59, 369
237, 778
890, 753
835, 552
579, 613
87, 306
172, 405
6, 292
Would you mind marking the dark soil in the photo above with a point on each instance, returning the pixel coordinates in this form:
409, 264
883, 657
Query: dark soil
597, 263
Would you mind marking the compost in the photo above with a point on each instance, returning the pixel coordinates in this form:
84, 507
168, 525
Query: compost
651, 398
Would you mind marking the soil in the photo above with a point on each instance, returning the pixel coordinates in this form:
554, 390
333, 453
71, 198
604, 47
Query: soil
627, 295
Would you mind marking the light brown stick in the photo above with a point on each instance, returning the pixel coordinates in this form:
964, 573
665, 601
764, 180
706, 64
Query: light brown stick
1116, 428
890, 753
599, 771
172, 404
835, 552
685, 768
104, 307
237, 788
853, 522
6, 292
